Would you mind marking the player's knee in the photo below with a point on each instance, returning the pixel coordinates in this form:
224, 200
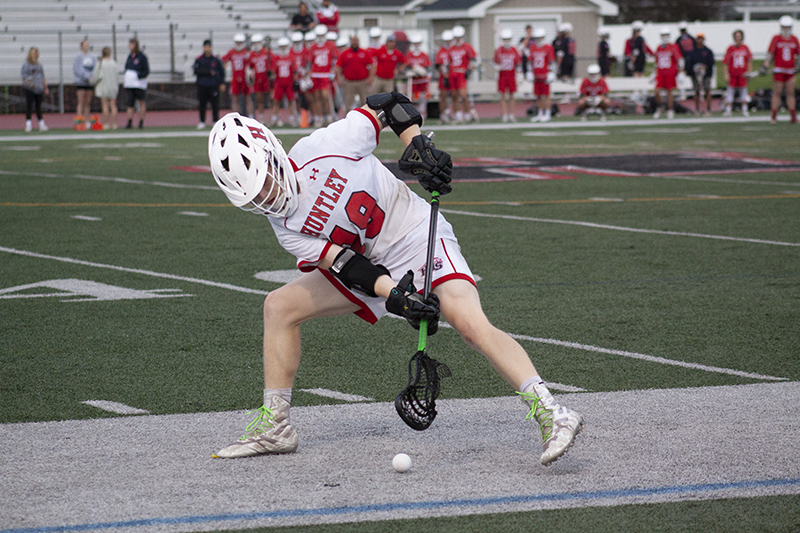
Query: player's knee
278, 308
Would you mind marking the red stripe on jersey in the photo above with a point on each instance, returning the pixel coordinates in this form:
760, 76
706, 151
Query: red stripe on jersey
374, 123
364, 311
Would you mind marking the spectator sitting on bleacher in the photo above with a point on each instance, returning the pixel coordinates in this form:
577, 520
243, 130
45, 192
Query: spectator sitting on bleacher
302, 21
328, 15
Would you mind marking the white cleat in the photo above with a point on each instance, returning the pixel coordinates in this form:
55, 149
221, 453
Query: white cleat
559, 427
270, 433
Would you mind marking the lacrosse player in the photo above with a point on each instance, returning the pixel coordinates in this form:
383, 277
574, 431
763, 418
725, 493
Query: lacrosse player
442, 64
506, 61
355, 230
239, 57
700, 66
462, 58
419, 63
542, 61
594, 93
783, 50
737, 62
669, 61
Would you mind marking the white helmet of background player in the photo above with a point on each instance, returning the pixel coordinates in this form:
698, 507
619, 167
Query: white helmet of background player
283, 45
565, 28
506, 36
459, 32
257, 41
238, 41
637, 25
539, 35
245, 156
666, 35
321, 33
593, 72
374, 36
603, 32
447, 37
416, 42
786, 23
297, 40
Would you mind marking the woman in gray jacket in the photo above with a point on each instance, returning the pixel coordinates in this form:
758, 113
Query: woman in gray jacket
83, 69
35, 87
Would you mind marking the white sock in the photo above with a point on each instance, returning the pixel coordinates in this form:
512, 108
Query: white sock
536, 386
286, 394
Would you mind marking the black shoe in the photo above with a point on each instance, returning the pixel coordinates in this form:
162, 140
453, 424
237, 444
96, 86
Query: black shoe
129, 125
141, 124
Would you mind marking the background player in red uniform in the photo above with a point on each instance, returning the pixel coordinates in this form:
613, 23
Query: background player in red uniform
737, 62
541, 60
299, 56
594, 91
442, 62
283, 67
322, 59
506, 60
419, 62
669, 60
239, 57
783, 51
261, 63
461, 56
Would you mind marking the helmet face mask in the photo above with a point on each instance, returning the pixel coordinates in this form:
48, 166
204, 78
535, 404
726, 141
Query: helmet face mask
250, 166
786, 23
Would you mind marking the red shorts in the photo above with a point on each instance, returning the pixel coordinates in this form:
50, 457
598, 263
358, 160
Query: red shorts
418, 89
781, 77
239, 86
261, 84
666, 80
541, 88
442, 88
507, 81
737, 81
458, 81
321, 84
283, 88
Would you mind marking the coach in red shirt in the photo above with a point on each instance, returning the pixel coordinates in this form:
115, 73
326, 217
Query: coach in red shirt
354, 73
388, 60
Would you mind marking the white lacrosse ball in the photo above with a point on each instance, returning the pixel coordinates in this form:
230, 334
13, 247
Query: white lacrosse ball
401, 462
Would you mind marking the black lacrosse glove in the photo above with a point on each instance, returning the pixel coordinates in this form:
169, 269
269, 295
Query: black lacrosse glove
431, 166
404, 301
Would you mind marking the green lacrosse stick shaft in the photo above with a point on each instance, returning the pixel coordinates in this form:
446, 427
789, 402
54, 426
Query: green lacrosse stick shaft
426, 292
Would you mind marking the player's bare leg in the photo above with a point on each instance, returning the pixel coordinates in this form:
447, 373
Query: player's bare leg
791, 102
461, 307
777, 91
308, 297
670, 104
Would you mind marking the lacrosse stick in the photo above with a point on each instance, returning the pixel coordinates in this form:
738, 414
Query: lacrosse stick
416, 405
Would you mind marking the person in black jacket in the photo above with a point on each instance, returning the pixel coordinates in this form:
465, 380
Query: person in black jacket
137, 69
210, 81
700, 66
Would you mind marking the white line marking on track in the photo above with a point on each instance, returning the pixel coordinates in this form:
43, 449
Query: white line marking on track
115, 180
193, 214
116, 407
336, 395
619, 228
85, 217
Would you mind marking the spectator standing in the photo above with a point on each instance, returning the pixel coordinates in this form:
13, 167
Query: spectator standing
302, 21
260, 62
210, 75
506, 61
442, 63
462, 56
106, 87
669, 61
737, 62
135, 82
783, 50
83, 68
564, 47
284, 67
700, 65
388, 60
35, 87
354, 72
523, 45
239, 57
685, 42
419, 62
604, 51
636, 51
541, 60
328, 15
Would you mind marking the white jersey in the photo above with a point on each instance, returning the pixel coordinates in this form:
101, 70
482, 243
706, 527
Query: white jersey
347, 196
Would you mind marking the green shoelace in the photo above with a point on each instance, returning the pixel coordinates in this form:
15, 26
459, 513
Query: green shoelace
260, 424
540, 413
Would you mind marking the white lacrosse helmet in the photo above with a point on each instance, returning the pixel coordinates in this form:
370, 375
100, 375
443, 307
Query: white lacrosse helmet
309, 36
283, 42
447, 36
506, 34
342, 41
416, 38
374, 32
297, 37
566, 27
539, 33
257, 41
321, 30
332, 36
459, 31
786, 21
603, 32
594, 68
682, 25
637, 25
238, 41
243, 154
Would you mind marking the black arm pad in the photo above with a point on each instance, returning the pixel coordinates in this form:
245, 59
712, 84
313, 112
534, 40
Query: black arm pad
395, 110
356, 272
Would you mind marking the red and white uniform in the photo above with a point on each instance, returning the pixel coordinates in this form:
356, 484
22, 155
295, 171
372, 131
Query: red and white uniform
284, 68
348, 197
322, 61
419, 85
667, 58
460, 56
598, 88
260, 62
507, 60
541, 57
442, 60
784, 52
737, 59
300, 59
239, 60
386, 62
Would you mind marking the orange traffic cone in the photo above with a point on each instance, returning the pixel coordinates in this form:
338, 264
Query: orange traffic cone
303, 118
80, 123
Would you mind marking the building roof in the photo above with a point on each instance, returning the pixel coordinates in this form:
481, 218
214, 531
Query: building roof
477, 8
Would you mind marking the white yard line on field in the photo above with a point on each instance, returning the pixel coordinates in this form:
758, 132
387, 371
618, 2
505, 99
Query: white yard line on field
618, 228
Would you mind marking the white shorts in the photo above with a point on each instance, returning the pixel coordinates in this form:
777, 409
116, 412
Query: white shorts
410, 253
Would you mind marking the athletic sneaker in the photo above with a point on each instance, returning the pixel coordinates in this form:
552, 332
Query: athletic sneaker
670, 113
43, 126
201, 125
745, 112
657, 114
271, 432
559, 426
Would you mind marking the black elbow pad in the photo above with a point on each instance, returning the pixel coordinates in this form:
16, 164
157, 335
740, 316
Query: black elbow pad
395, 110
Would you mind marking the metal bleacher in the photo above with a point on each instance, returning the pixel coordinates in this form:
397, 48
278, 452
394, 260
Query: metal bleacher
171, 32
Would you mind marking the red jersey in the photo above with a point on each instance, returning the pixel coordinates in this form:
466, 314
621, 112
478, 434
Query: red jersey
442, 58
784, 52
284, 67
598, 88
260, 62
355, 64
321, 60
737, 59
387, 62
329, 16
300, 59
460, 56
667, 57
507, 58
418, 59
239, 59
540, 59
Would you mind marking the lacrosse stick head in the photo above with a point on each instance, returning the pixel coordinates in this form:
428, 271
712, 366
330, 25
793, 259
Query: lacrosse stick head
416, 405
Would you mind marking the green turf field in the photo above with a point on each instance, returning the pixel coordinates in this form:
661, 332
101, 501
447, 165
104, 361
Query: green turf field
700, 268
